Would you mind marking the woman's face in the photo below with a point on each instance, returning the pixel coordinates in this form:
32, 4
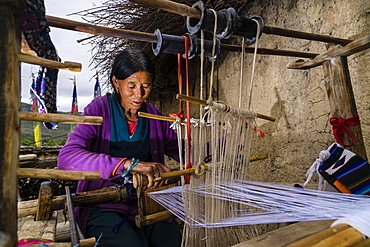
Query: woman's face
134, 90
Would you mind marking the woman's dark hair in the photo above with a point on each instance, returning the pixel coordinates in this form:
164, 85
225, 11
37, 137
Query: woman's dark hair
129, 62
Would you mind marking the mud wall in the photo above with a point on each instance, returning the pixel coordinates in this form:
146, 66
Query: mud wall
296, 98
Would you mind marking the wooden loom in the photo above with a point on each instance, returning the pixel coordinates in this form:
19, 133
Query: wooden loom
10, 43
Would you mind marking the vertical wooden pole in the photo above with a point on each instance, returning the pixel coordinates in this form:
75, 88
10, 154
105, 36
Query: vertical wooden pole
342, 100
10, 126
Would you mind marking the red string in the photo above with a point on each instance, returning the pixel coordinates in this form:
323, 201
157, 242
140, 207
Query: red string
179, 78
340, 127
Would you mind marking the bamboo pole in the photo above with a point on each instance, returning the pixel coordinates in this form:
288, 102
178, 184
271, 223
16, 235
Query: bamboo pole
204, 102
149, 37
355, 46
59, 118
57, 174
185, 10
72, 66
158, 117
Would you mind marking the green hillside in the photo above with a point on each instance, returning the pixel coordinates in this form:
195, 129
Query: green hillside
49, 137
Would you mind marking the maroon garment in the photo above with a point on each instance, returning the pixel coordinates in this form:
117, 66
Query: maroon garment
87, 149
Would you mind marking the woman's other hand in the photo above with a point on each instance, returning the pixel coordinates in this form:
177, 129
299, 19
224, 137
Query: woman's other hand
152, 170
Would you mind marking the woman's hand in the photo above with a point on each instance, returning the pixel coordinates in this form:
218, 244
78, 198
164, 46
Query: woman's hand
151, 170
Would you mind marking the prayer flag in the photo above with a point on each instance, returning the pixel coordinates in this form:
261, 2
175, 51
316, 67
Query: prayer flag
34, 108
74, 109
97, 90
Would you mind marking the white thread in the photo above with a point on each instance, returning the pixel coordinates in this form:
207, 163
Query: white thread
260, 203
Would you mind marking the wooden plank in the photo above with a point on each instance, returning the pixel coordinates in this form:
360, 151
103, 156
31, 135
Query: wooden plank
44, 201
44, 229
57, 174
67, 65
286, 235
342, 101
10, 126
59, 118
317, 237
350, 49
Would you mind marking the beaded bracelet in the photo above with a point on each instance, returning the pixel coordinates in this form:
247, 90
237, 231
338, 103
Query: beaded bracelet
132, 166
118, 165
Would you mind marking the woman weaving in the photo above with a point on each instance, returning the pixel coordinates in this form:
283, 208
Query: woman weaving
124, 144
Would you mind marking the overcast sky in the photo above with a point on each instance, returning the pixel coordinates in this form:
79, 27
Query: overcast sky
68, 49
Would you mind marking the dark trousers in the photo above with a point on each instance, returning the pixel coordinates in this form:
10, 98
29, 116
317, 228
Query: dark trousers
116, 231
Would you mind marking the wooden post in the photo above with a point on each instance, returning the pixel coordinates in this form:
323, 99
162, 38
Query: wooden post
342, 101
10, 126
44, 201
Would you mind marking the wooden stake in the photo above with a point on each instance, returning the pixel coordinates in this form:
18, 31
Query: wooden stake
59, 118
44, 202
57, 174
204, 102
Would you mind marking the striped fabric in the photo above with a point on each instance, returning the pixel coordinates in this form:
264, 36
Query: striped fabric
346, 171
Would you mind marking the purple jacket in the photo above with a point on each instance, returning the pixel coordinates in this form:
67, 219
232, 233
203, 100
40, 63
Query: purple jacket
87, 148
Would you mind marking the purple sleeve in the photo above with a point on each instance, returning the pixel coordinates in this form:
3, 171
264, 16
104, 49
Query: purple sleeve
87, 147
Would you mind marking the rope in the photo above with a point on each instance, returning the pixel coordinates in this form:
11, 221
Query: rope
213, 56
241, 73
254, 64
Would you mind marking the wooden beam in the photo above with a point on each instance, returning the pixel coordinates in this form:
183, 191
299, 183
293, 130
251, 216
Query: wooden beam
99, 30
350, 49
149, 37
342, 101
10, 125
59, 118
57, 174
204, 102
265, 51
27, 208
72, 66
185, 10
